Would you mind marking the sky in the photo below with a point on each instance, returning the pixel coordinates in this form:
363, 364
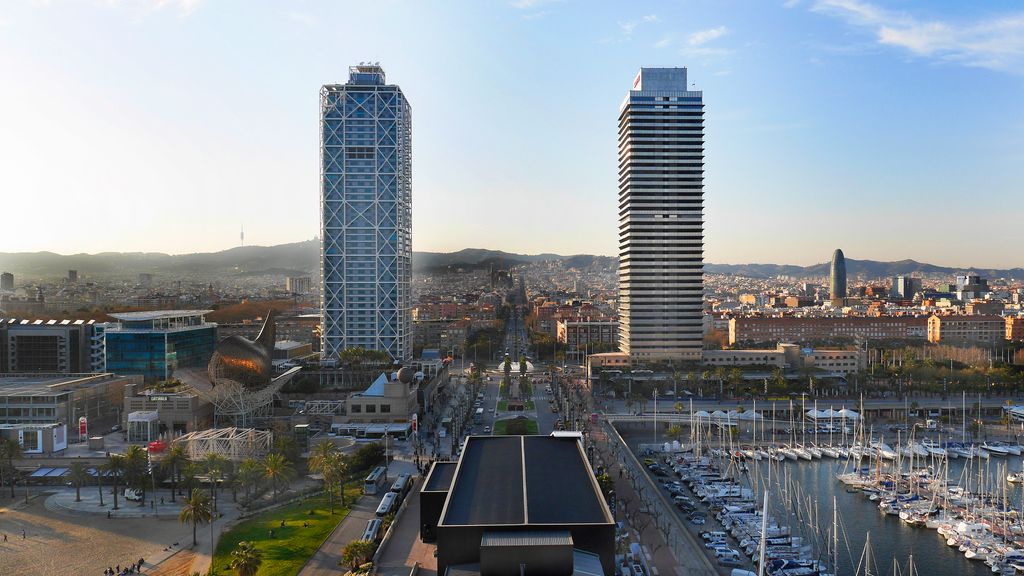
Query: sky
891, 129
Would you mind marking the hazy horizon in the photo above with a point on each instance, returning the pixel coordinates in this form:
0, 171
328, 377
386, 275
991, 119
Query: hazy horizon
167, 126
961, 265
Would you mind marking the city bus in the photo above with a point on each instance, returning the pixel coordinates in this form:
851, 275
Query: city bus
372, 532
375, 481
478, 416
387, 505
402, 485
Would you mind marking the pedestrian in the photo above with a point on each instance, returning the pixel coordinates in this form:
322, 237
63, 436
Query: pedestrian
5, 537
23, 536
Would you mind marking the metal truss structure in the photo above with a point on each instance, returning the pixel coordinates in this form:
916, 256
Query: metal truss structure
234, 402
322, 407
235, 444
366, 215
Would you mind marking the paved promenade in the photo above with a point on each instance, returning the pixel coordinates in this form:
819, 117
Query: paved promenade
325, 561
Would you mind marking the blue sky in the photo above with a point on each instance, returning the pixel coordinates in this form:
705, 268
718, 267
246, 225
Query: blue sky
892, 129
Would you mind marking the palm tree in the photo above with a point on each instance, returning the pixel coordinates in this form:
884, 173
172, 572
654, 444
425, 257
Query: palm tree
214, 465
356, 552
173, 461
232, 480
136, 469
79, 474
338, 465
250, 470
188, 476
333, 469
115, 468
99, 483
320, 453
10, 450
246, 559
278, 470
319, 461
197, 510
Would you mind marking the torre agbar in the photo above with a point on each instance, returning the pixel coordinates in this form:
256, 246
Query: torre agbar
366, 220
661, 226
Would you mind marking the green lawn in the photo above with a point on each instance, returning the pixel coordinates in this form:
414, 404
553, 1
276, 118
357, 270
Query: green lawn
518, 426
291, 546
502, 405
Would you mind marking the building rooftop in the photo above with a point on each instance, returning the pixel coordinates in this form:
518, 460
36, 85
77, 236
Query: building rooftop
377, 387
46, 384
510, 480
440, 478
288, 344
157, 315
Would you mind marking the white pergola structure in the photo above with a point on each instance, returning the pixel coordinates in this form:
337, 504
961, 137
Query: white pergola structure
235, 444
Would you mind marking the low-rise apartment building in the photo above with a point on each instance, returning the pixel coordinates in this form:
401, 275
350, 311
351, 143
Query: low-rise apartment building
963, 329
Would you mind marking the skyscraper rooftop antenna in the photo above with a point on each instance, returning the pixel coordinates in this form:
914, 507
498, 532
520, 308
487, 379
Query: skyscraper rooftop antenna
241, 235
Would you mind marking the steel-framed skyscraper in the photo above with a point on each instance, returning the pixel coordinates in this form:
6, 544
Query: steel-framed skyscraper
366, 218
661, 222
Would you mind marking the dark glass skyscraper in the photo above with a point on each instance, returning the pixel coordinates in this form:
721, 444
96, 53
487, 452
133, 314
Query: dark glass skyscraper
366, 216
661, 222
837, 276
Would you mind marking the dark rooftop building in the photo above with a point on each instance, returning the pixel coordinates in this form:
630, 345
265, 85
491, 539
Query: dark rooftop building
522, 505
432, 497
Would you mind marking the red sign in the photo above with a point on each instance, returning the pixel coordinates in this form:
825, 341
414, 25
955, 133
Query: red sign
83, 426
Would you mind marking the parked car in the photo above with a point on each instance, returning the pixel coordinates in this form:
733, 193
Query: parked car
698, 519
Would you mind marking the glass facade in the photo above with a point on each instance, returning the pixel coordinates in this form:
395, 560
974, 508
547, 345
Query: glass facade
155, 354
366, 220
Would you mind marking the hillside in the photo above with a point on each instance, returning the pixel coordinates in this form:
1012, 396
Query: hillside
303, 258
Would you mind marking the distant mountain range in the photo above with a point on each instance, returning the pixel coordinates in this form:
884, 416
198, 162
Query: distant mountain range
860, 268
303, 258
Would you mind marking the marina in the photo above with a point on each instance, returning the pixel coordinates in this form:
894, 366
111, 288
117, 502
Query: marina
844, 500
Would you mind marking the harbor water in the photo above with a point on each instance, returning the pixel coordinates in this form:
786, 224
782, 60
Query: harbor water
812, 486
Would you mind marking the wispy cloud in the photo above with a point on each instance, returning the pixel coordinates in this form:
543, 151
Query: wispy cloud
629, 26
699, 45
304, 18
530, 4
184, 7
702, 37
994, 43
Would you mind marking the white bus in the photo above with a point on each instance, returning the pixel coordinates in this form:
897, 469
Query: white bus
372, 532
478, 416
375, 481
402, 485
387, 505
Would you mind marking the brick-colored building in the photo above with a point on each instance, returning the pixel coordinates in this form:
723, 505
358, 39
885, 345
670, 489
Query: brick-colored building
962, 329
1015, 328
807, 329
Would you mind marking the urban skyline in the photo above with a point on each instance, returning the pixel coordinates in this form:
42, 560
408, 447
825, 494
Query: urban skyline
821, 69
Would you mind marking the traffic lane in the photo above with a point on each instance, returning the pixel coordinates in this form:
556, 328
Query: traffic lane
546, 419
